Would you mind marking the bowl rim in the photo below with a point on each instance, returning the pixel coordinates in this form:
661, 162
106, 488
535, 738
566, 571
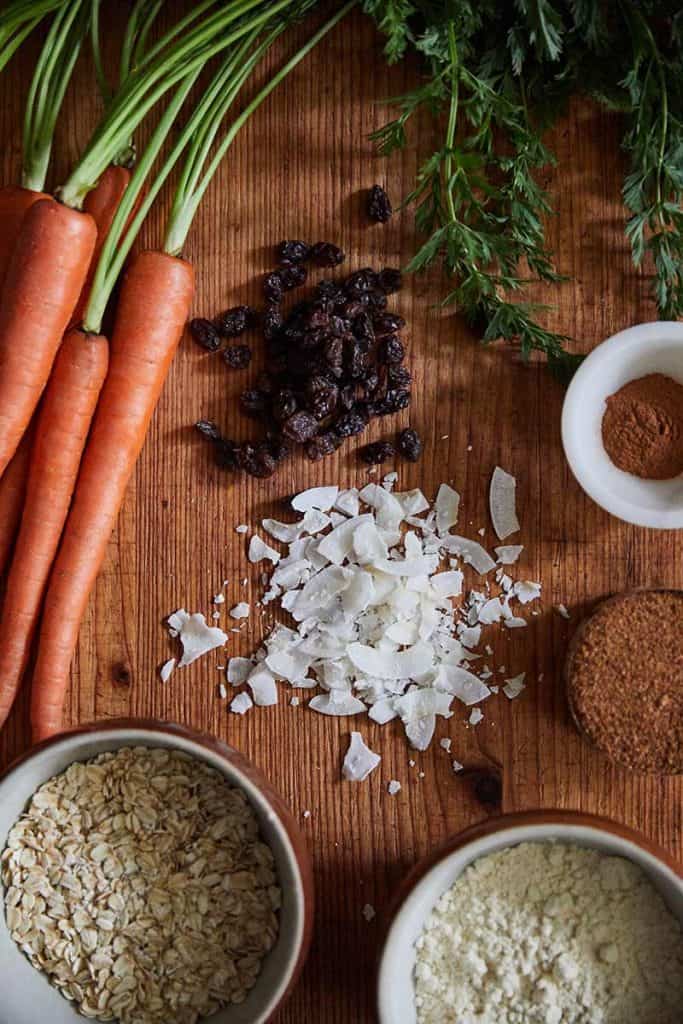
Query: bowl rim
488, 827
252, 778
627, 339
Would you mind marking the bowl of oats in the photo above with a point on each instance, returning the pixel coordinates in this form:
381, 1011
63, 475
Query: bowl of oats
149, 875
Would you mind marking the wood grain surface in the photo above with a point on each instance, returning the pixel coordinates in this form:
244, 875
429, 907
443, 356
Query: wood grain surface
299, 170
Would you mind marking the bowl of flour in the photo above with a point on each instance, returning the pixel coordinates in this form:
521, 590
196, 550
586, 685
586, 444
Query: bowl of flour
537, 918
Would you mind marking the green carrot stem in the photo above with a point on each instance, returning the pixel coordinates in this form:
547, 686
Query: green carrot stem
17, 21
149, 83
192, 190
48, 86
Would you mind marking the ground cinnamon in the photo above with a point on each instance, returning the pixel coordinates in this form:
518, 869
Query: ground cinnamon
642, 427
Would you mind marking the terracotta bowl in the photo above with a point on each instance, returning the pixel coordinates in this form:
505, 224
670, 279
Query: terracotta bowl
426, 883
28, 997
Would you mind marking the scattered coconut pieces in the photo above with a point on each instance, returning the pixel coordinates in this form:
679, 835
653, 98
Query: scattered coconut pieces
502, 503
241, 703
475, 716
166, 670
196, 636
368, 912
446, 506
445, 744
259, 550
394, 787
359, 761
513, 687
240, 611
238, 670
562, 610
457, 767
242, 528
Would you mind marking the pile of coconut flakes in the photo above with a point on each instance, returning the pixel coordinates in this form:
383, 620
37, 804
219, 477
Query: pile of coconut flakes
373, 583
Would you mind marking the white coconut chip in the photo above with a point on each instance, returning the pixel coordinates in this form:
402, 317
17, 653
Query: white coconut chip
457, 767
462, 684
238, 670
259, 550
475, 716
240, 611
513, 687
166, 669
195, 635
502, 503
470, 551
526, 591
508, 553
321, 498
562, 610
241, 703
359, 761
447, 505
337, 703
368, 912
445, 744
348, 502
261, 682
393, 787
242, 528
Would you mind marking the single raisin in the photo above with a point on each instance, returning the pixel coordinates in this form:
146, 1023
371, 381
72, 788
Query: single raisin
253, 401
208, 430
360, 283
227, 454
205, 334
284, 405
300, 427
233, 322
322, 397
257, 460
394, 400
362, 328
292, 251
377, 452
379, 205
329, 291
272, 323
322, 445
410, 444
391, 350
273, 287
388, 323
326, 254
370, 383
390, 280
399, 377
377, 301
279, 448
237, 357
293, 277
352, 422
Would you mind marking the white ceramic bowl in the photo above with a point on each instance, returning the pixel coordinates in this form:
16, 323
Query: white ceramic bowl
633, 353
433, 876
26, 997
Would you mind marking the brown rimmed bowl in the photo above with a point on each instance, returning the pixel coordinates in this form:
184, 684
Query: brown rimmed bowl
434, 875
28, 997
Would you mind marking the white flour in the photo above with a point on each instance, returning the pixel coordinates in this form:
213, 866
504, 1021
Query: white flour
550, 933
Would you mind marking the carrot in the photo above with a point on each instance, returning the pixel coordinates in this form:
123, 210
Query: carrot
12, 492
14, 202
43, 283
61, 431
153, 308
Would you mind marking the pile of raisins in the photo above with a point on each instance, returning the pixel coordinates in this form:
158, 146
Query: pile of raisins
332, 363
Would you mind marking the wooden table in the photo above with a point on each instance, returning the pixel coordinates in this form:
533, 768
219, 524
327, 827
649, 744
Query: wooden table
299, 170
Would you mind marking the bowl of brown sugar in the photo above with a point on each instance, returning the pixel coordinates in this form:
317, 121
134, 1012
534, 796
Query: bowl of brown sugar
622, 425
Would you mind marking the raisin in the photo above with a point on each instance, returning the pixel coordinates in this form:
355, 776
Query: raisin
377, 301
237, 357
379, 205
370, 383
300, 427
334, 354
360, 283
322, 445
410, 444
388, 323
329, 291
390, 280
352, 422
279, 448
377, 452
233, 322
362, 328
325, 254
272, 323
394, 400
293, 277
391, 350
399, 377
322, 397
208, 430
253, 401
273, 287
227, 455
292, 251
284, 405
257, 460
205, 334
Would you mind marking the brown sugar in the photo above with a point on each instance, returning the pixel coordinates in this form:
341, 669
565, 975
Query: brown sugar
642, 427
624, 677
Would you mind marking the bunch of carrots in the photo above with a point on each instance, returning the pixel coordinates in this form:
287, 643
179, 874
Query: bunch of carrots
75, 406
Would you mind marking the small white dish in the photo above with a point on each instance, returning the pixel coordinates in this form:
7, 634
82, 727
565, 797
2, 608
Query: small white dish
27, 996
434, 875
635, 352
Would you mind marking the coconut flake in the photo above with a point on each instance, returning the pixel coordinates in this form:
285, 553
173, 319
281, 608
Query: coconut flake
337, 703
348, 502
368, 912
562, 610
238, 670
472, 552
393, 787
195, 635
321, 498
241, 703
408, 664
240, 611
258, 550
360, 761
502, 503
462, 684
261, 682
447, 505
457, 767
167, 669
513, 687
447, 584
509, 553
526, 591
475, 716
445, 744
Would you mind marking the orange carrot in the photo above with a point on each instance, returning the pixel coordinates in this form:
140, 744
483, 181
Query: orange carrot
48, 269
152, 311
14, 203
12, 493
61, 431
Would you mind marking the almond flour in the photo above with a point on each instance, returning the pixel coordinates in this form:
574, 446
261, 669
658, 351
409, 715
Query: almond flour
550, 933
